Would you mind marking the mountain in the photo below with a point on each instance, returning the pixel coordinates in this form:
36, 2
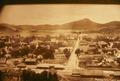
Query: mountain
113, 23
6, 28
111, 27
84, 24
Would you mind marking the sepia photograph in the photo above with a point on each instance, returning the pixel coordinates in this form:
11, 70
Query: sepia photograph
60, 42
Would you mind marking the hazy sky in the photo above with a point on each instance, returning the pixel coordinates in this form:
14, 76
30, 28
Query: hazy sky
58, 13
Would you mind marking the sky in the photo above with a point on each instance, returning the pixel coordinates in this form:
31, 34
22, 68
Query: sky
58, 13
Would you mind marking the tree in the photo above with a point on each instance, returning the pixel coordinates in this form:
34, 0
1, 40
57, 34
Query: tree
66, 52
47, 38
77, 51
